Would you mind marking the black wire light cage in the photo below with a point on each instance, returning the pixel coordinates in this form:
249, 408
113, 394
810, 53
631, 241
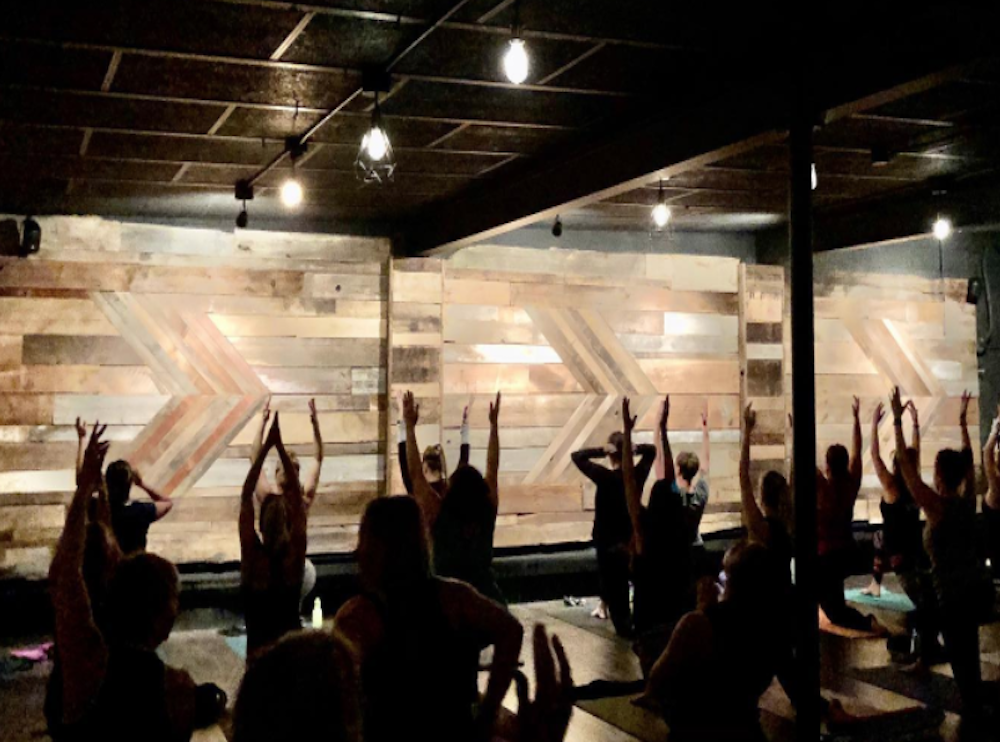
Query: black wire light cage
376, 162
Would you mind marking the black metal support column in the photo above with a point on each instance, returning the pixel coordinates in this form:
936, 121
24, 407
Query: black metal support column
804, 413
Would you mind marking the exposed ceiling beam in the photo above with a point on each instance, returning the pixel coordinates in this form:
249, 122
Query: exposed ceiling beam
292, 37
969, 203
572, 63
109, 76
664, 145
273, 63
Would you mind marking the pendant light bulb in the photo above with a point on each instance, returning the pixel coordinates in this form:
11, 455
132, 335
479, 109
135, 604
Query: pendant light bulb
376, 143
942, 228
815, 177
661, 212
291, 193
515, 61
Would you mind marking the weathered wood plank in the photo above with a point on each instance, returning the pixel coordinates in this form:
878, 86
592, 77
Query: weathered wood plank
692, 377
416, 287
309, 352
11, 351
638, 298
39, 316
299, 327
463, 291
75, 350
122, 380
306, 380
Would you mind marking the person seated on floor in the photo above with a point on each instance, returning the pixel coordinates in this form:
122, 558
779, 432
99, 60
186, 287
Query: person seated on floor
463, 519
661, 551
417, 637
310, 483
130, 519
111, 684
720, 660
766, 523
837, 491
434, 465
963, 588
991, 503
612, 526
271, 566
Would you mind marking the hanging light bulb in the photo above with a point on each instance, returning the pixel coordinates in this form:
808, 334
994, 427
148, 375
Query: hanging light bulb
376, 162
515, 61
815, 177
661, 212
942, 228
291, 193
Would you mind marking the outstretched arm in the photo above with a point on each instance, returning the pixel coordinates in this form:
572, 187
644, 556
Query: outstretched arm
925, 497
82, 652
633, 494
464, 448
423, 493
296, 504
81, 437
493, 455
970, 469
261, 488
855, 465
249, 542
311, 483
915, 442
885, 478
669, 473
753, 519
584, 461
990, 464
163, 503
706, 447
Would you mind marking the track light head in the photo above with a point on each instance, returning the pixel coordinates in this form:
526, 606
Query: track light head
881, 156
243, 218
31, 237
557, 227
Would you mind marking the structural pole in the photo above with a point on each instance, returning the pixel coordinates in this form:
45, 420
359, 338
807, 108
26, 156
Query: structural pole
804, 409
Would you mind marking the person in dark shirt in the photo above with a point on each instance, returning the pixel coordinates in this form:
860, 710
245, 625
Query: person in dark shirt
131, 519
612, 526
765, 523
435, 466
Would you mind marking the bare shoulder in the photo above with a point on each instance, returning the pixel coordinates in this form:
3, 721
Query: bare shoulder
359, 622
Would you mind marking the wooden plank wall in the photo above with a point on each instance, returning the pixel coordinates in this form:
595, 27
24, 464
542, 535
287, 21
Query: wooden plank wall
874, 331
565, 335
176, 337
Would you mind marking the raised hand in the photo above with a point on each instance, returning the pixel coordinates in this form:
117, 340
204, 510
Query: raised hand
878, 414
274, 434
411, 410
266, 412
136, 478
494, 411
81, 429
896, 404
912, 407
547, 717
749, 417
465, 413
665, 413
627, 418
856, 408
93, 460
704, 419
963, 416
312, 410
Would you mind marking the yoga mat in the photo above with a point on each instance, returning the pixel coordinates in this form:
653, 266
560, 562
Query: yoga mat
930, 689
238, 644
890, 601
580, 617
619, 712
909, 725
608, 689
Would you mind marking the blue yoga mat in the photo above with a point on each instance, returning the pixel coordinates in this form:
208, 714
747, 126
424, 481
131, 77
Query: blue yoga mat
889, 601
239, 645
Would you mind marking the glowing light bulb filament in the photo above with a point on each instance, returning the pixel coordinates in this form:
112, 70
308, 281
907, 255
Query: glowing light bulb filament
515, 62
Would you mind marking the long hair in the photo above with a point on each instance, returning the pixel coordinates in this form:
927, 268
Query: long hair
394, 556
468, 497
434, 459
903, 491
118, 478
274, 526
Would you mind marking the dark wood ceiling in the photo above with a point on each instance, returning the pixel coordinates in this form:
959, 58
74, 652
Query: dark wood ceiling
157, 108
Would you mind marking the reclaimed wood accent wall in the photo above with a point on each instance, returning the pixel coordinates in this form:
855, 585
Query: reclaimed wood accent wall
874, 331
175, 338
565, 335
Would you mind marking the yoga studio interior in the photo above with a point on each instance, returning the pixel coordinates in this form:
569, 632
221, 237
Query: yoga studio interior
499, 371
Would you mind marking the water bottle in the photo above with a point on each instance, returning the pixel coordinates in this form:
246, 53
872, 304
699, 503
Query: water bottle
317, 617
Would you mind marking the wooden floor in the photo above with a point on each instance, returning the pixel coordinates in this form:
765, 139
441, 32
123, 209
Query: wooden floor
857, 671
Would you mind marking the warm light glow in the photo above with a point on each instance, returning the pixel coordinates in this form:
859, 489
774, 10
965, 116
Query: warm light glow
291, 193
661, 215
815, 177
942, 228
376, 143
515, 62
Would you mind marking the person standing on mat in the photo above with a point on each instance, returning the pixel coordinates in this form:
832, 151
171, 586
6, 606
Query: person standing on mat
836, 494
691, 484
612, 527
765, 523
310, 484
964, 590
661, 555
463, 519
271, 566
435, 466
991, 503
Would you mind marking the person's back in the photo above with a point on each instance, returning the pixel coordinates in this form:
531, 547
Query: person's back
463, 533
131, 523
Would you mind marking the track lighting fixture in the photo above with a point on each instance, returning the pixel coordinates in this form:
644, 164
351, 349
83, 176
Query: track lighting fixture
661, 212
942, 228
515, 61
557, 227
244, 193
376, 162
31, 238
880, 156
